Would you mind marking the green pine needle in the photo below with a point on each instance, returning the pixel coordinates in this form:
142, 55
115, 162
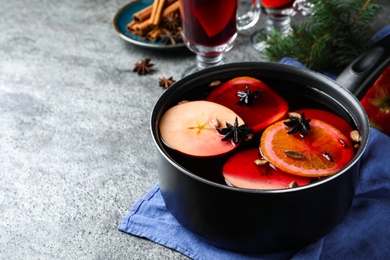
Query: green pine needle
331, 38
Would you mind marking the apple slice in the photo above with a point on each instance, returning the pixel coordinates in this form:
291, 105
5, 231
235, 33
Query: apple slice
376, 102
265, 105
241, 171
329, 118
191, 128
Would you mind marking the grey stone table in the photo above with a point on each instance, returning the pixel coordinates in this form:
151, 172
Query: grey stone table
75, 147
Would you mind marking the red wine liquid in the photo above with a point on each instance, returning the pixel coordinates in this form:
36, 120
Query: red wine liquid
211, 168
275, 4
209, 22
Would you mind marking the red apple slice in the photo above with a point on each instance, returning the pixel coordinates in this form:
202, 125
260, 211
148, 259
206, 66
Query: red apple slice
190, 128
242, 172
329, 118
263, 111
376, 102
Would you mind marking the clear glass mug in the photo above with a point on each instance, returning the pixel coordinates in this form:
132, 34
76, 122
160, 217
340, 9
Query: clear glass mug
279, 13
210, 28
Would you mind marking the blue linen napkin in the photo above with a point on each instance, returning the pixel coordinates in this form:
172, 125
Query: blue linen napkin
363, 234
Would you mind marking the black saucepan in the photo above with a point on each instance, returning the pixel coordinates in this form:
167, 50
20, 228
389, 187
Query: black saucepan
266, 220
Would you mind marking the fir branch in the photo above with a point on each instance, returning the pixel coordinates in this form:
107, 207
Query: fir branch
336, 33
359, 15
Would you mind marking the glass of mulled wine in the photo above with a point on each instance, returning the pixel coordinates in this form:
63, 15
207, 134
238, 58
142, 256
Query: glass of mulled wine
278, 13
210, 28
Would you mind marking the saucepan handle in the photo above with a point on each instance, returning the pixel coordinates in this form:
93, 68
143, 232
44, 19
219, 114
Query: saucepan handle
361, 74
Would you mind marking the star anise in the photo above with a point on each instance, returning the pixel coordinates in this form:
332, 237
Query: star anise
177, 35
167, 37
246, 97
298, 123
166, 82
170, 38
235, 132
171, 21
143, 67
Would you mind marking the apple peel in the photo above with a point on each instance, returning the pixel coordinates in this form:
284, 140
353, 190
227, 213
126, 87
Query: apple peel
241, 171
269, 108
376, 102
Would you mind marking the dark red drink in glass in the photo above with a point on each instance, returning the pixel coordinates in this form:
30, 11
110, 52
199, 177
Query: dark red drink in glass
210, 28
209, 22
277, 3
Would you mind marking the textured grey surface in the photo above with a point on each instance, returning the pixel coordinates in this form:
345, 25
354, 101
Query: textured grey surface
75, 146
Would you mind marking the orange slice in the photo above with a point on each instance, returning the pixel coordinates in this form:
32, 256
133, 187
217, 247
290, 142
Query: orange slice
329, 118
323, 152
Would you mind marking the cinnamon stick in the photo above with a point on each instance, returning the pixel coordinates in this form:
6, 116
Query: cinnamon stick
131, 27
145, 22
143, 28
154, 34
143, 14
175, 6
146, 12
169, 2
156, 12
